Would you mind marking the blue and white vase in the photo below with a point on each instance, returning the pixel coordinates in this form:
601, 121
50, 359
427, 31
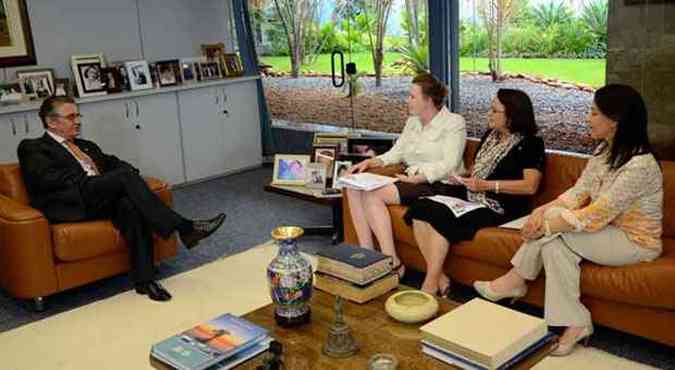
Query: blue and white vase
290, 278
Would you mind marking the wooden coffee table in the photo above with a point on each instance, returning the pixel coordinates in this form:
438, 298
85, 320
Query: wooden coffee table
372, 328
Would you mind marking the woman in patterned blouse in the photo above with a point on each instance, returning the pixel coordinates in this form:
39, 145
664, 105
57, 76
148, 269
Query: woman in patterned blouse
611, 216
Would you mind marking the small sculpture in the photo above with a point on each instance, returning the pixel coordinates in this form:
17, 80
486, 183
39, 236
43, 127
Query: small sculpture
340, 342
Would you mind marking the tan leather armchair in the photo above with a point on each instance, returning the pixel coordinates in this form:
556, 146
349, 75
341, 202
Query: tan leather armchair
38, 259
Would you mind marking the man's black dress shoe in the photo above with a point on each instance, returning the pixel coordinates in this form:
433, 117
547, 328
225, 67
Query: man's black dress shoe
200, 230
154, 290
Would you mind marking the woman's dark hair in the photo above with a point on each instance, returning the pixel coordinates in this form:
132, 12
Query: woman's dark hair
621, 103
432, 88
518, 110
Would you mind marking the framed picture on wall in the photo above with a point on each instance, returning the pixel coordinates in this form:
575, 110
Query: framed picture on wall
88, 75
37, 83
138, 73
16, 40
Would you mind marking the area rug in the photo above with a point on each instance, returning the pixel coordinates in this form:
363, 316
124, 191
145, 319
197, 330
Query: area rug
117, 333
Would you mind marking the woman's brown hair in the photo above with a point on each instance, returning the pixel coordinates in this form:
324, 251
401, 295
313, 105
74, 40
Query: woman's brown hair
432, 88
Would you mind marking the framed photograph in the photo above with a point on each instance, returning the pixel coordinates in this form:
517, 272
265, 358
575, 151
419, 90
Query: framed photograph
87, 73
16, 39
315, 176
63, 87
122, 73
169, 72
138, 73
188, 72
209, 71
340, 168
112, 79
215, 53
10, 93
37, 83
369, 147
326, 155
337, 139
232, 64
289, 169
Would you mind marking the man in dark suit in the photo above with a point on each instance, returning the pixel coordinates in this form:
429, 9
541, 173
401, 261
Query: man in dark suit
71, 179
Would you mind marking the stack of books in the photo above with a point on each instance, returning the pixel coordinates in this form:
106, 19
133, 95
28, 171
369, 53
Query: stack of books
483, 335
354, 273
221, 343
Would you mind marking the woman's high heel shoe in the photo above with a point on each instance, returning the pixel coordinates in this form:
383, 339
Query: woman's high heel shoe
483, 288
565, 349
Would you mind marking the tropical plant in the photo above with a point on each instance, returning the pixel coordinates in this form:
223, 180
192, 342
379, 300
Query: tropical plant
415, 59
594, 17
548, 14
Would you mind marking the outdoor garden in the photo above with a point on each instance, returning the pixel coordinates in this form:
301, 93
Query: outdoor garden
553, 50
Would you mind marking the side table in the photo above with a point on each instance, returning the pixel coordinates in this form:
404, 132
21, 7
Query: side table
315, 196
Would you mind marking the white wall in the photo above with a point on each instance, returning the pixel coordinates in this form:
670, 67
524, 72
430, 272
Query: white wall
123, 30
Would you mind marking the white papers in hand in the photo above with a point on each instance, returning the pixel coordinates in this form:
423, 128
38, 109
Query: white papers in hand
456, 205
365, 181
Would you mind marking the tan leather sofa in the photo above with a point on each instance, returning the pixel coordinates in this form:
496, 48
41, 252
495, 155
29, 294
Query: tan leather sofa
638, 299
38, 259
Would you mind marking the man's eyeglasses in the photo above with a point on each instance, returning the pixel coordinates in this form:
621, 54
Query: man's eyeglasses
70, 117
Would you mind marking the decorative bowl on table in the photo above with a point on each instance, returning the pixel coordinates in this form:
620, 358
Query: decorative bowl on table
411, 306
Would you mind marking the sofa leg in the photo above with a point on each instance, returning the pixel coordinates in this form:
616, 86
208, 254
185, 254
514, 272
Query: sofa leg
39, 304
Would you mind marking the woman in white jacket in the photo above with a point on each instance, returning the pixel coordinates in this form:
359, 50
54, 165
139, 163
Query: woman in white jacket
431, 147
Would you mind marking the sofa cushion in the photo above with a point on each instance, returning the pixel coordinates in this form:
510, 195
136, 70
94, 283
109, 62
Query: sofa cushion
11, 183
82, 240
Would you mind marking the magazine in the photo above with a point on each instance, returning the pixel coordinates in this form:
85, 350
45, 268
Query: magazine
365, 181
209, 343
456, 205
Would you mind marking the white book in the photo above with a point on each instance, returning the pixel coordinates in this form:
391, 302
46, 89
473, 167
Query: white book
456, 205
486, 333
365, 181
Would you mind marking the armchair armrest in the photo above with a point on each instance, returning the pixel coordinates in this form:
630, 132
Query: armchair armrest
26, 254
390, 170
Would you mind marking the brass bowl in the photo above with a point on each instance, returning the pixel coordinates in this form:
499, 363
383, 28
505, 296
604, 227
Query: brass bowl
411, 306
287, 232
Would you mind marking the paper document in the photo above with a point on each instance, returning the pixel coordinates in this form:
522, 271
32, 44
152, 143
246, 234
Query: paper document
365, 181
456, 205
515, 224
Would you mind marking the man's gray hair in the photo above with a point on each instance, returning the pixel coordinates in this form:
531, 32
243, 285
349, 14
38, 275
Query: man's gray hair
50, 105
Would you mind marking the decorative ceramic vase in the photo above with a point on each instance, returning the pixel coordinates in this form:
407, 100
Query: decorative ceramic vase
289, 276
411, 306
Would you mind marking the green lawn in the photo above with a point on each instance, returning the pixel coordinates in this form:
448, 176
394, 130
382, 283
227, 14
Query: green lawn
588, 71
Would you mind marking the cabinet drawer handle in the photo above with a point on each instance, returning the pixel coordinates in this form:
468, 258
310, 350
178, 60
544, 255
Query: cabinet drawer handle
13, 126
226, 112
138, 110
25, 124
126, 104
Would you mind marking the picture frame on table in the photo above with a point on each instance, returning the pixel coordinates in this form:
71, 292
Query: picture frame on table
122, 73
63, 87
233, 65
138, 73
16, 38
215, 53
316, 176
338, 139
188, 69
169, 72
289, 169
10, 93
87, 71
369, 147
339, 169
325, 155
36, 83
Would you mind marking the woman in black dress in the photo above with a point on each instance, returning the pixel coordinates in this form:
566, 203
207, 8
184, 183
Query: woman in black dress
507, 167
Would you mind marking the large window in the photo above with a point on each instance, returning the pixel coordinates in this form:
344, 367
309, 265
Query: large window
386, 39
555, 50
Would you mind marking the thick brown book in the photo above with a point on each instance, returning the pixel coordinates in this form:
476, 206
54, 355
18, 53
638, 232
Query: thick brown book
485, 333
353, 292
355, 264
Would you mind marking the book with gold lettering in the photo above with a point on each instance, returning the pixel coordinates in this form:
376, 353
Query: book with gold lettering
355, 264
354, 292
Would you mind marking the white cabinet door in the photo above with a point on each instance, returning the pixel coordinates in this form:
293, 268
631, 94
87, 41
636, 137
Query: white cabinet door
202, 132
14, 128
156, 120
242, 125
108, 124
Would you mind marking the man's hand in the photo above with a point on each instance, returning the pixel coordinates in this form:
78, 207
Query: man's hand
417, 179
